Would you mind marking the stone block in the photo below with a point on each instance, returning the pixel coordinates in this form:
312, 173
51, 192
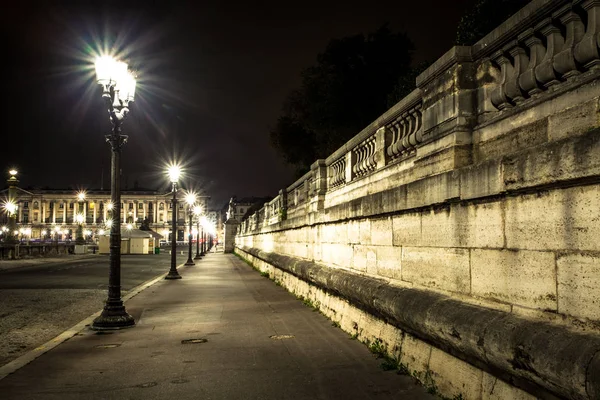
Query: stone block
442, 226
364, 259
482, 225
572, 158
508, 137
365, 231
574, 121
415, 355
381, 232
579, 285
407, 229
440, 268
389, 261
353, 232
454, 377
563, 219
493, 388
337, 254
525, 278
432, 190
483, 179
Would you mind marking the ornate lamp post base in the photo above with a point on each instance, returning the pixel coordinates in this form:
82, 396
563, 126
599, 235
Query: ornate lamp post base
189, 262
113, 317
198, 256
173, 275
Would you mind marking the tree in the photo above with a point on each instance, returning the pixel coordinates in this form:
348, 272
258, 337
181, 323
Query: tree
347, 89
483, 17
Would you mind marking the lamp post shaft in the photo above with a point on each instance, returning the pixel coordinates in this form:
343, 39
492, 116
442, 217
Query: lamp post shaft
114, 315
203, 247
189, 260
173, 274
197, 239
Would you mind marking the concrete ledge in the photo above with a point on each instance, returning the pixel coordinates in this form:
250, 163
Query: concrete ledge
546, 360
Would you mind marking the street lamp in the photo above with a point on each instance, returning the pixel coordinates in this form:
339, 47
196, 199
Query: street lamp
118, 91
174, 172
202, 226
190, 199
197, 213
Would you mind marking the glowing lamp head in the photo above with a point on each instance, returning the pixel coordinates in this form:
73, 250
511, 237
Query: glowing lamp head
79, 218
10, 207
174, 173
13, 172
197, 210
129, 227
109, 206
190, 198
81, 196
101, 232
108, 223
109, 71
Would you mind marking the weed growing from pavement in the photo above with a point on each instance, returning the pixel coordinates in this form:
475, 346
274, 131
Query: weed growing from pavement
335, 324
265, 274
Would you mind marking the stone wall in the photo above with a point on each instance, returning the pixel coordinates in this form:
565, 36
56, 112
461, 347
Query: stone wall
465, 221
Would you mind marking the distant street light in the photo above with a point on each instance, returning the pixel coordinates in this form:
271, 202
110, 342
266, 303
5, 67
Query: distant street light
198, 213
118, 91
11, 208
190, 200
174, 172
203, 227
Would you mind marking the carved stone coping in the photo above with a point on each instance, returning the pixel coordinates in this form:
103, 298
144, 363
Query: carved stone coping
540, 357
525, 18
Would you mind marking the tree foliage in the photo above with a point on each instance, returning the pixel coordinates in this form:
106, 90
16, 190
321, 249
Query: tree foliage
347, 89
483, 17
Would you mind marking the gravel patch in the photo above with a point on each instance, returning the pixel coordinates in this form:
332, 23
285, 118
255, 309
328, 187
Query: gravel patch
31, 317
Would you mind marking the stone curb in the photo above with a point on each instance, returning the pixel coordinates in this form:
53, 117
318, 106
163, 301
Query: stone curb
28, 357
544, 359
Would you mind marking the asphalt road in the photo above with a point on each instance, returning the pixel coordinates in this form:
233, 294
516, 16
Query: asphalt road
41, 301
90, 273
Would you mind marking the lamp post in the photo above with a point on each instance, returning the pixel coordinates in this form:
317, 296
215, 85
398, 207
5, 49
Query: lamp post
197, 213
118, 91
174, 172
11, 205
202, 224
190, 200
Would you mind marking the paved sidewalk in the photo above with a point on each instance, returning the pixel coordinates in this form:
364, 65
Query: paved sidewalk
233, 312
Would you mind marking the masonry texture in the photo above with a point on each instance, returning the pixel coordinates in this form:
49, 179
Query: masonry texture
461, 227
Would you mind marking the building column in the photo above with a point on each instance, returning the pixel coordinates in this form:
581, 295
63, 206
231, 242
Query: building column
95, 212
54, 213
65, 205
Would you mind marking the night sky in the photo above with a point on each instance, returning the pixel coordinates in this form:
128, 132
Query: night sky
211, 81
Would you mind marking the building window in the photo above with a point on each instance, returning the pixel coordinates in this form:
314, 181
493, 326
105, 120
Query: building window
36, 204
71, 206
181, 206
140, 206
61, 206
161, 206
170, 206
35, 217
25, 204
131, 206
150, 206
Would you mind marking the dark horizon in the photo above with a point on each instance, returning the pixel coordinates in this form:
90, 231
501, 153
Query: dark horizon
212, 80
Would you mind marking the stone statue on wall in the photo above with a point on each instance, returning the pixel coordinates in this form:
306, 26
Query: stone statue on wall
230, 210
